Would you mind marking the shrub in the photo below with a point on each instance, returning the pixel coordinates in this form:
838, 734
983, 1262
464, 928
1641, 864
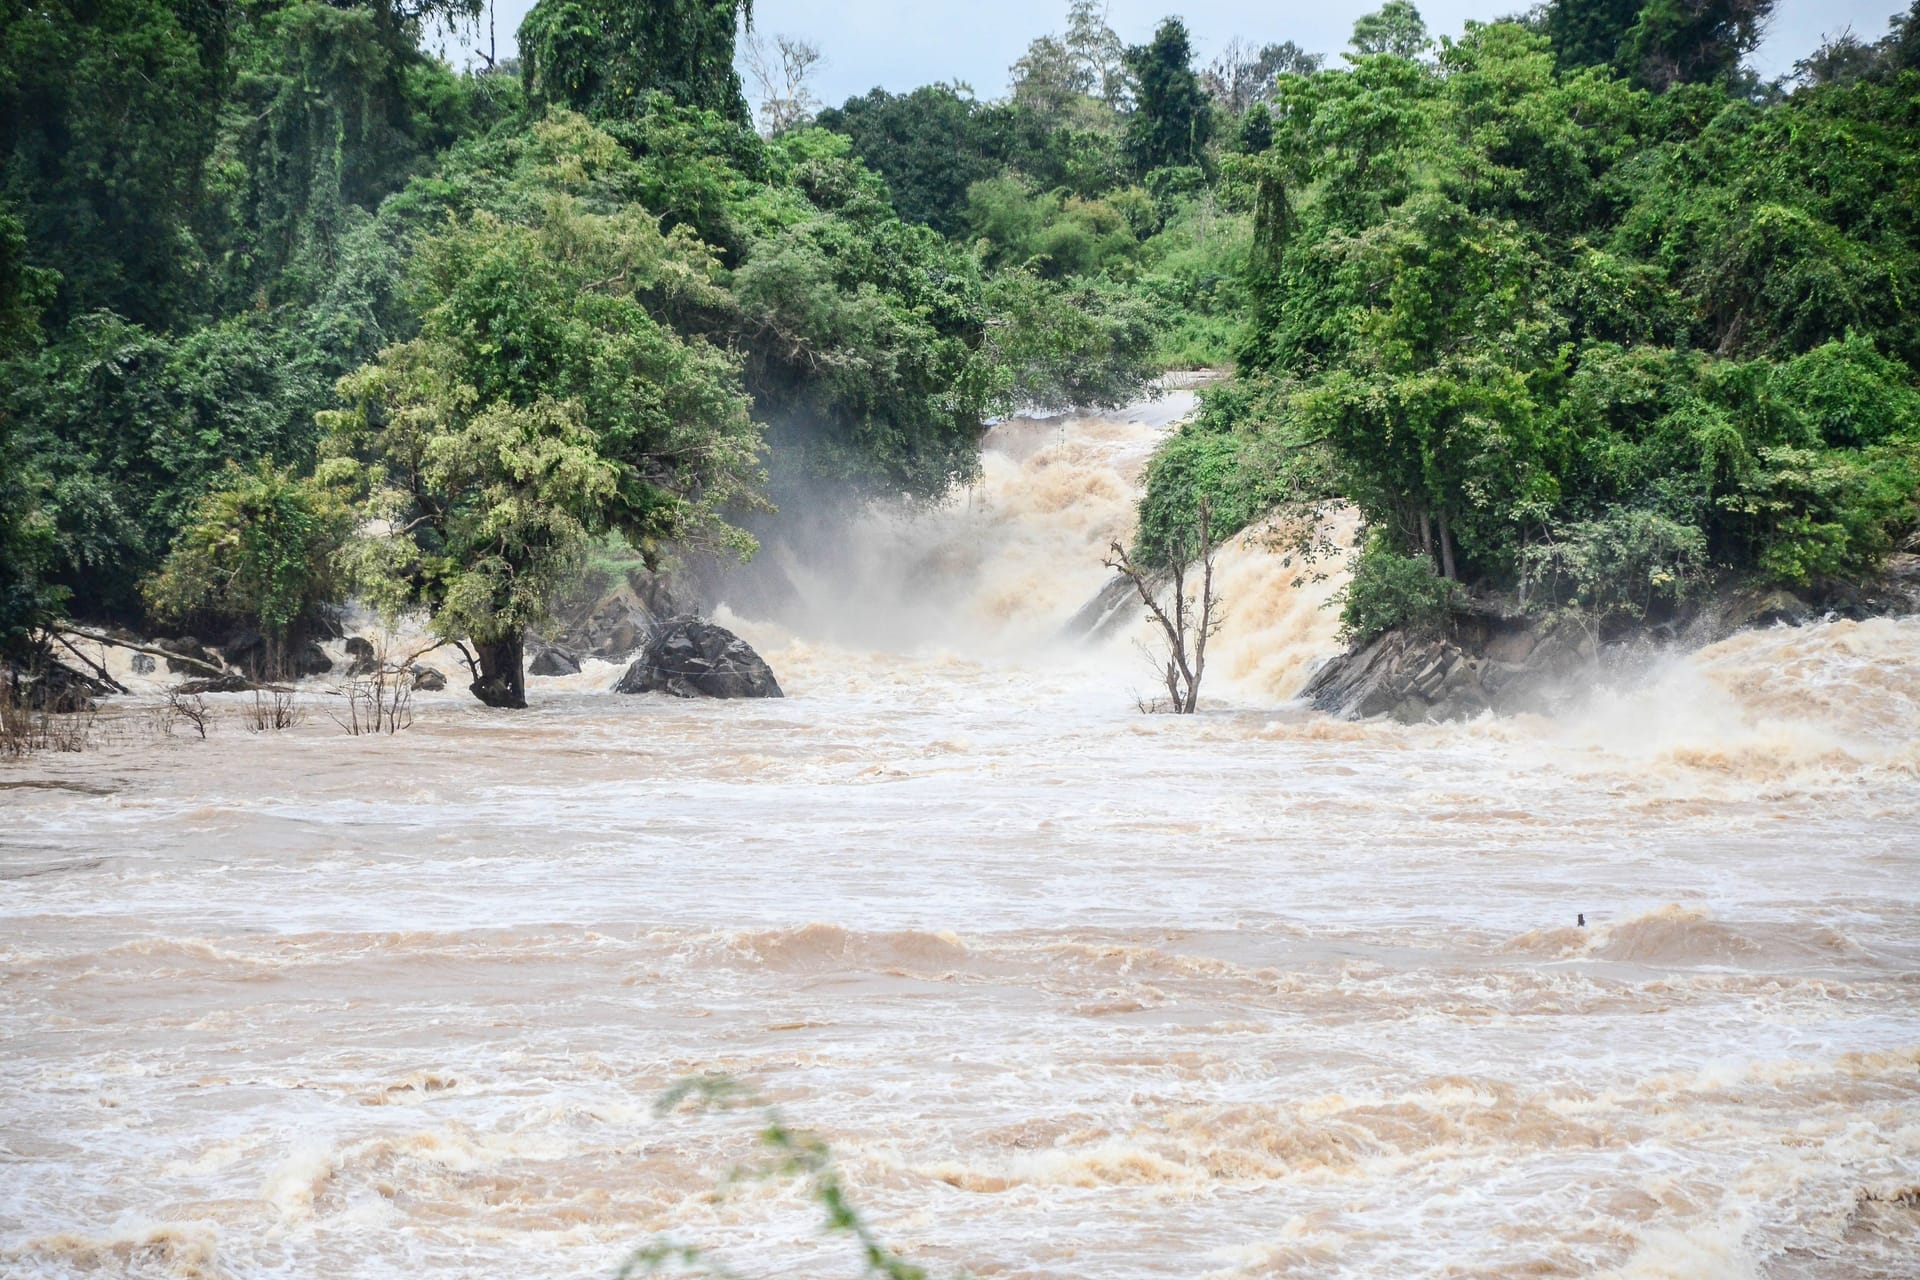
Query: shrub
257, 548
1392, 592
1630, 560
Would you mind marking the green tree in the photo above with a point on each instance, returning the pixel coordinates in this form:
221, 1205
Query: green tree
602, 57
107, 112
1171, 121
258, 548
927, 146
1396, 29
1589, 33
1690, 41
543, 403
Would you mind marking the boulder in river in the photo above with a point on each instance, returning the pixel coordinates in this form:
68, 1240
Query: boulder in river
429, 679
363, 660
142, 664
1496, 663
309, 660
246, 650
554, 662
187, 647
689, 658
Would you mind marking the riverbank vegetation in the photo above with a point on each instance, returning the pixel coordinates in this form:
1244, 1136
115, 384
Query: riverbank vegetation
1580, 313
1571, 307
290, 309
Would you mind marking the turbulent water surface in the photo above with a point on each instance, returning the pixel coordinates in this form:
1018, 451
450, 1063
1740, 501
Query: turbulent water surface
1070, 990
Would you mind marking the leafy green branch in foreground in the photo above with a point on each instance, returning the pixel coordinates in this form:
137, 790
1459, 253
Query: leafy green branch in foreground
790, 1153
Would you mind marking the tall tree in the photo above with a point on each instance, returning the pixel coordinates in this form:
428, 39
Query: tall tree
603, 56
1243, 75
542, 404
1171, 121
783, 75
1097, 55
1396, 28
1690, 41
927, 146
1589, 33
107, 111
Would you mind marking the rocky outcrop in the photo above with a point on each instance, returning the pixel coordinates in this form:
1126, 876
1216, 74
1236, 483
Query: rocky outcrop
50, 685
1114, 607
689, 658
1498, 658
1415, 678
309, 660
215, 684
187, 647
610, 618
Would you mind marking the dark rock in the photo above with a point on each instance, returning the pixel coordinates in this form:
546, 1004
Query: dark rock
214, 684
429, 679
1747, 609
1415, 679
1498, 658
611, 619
186, 647
689, 658
554, 662
363, 659
310, 660
246, 649
143, 664
1113, 607
622, 638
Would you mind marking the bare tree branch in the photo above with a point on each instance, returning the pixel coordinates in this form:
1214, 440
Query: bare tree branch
1191, 621
168, 654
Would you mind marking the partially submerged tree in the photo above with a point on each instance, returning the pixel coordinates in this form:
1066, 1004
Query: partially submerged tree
542, 404
258, 550
1188, 619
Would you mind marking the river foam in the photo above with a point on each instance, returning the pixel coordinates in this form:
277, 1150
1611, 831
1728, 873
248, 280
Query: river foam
1070, 990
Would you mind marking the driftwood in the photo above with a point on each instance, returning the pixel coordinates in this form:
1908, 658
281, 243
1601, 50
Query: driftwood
150, 650
99, 671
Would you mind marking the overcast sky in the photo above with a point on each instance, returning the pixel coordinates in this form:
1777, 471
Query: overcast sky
899, 46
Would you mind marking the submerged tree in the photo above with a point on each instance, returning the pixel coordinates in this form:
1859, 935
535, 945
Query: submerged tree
542, 404
1188, 619
257, 549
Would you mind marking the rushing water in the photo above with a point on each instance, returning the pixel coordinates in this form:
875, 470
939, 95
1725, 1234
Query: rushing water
1070, 990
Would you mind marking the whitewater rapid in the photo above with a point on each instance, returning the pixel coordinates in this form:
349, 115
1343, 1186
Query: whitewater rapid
1071, 991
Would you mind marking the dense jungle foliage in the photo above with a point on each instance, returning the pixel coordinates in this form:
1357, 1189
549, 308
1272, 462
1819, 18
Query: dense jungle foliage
290, 309
1570, 305
1598, 324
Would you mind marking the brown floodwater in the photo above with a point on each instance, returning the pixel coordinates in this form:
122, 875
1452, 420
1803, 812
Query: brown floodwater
1071, 991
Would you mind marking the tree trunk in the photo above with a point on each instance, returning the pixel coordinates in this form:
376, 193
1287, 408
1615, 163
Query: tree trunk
1446, 551
503, 679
